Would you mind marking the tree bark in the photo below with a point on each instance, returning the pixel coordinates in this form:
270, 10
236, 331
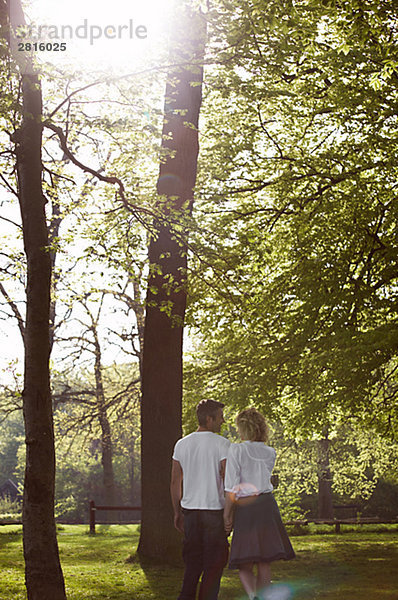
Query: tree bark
325, 498
166, 296
44, 580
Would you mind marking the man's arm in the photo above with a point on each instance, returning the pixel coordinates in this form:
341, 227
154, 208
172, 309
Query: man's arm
176, 494
229, 510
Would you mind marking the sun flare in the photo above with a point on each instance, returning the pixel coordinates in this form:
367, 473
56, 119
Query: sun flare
116, 35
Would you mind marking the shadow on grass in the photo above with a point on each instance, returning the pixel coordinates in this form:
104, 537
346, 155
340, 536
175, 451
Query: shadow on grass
164, 579
165, 583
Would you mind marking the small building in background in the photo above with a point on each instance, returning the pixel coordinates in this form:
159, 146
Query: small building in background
10, 490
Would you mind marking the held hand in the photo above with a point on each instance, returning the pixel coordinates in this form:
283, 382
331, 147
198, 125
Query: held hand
229, 510
228, 524
179, 522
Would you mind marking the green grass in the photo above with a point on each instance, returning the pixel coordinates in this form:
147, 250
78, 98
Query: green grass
355, 565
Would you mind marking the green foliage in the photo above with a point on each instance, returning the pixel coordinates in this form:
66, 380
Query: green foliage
11, 438
384, 500
293, 270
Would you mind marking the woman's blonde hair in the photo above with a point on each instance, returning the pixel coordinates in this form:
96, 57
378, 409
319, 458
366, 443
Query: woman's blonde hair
252, 425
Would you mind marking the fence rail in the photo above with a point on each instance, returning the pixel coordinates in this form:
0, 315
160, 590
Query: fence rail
333, 522
338, 522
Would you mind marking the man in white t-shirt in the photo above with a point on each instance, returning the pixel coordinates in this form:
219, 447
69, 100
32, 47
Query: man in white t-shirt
197, 494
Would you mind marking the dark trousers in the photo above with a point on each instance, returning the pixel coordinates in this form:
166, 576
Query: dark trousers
205, 553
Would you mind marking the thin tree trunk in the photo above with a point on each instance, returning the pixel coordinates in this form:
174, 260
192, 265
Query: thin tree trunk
133, 480
56, 220
139, 312
325, 498
166, 295
106, 437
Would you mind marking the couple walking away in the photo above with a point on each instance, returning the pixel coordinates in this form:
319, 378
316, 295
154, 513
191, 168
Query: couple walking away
217, 486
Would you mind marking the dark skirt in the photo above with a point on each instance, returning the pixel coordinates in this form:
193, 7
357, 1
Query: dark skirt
259, 534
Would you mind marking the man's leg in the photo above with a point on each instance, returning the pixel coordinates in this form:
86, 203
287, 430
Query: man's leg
192, 554
215, 553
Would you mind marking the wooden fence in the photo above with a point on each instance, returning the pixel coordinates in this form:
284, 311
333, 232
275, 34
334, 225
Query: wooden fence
303, 522
94, 508
338, 522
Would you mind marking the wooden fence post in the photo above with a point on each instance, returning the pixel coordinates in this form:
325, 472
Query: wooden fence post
92, 516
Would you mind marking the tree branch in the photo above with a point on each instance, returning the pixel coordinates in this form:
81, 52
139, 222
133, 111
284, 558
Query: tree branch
15, 310
112, 179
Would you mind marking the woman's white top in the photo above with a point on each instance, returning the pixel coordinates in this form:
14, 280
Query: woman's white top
249, 468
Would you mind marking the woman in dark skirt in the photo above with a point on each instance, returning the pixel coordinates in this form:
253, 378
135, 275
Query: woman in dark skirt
251, 510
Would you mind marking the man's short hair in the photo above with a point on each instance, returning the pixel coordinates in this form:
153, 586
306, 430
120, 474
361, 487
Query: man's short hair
207, 408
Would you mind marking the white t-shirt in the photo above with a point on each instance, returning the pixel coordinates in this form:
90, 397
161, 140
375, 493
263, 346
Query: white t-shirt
199, 455
249, 468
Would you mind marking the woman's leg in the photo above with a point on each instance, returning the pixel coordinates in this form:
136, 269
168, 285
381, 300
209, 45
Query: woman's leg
263, 577
248, 579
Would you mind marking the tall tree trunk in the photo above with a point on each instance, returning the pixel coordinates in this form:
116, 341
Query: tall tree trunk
44, 579
166, 295
325, 499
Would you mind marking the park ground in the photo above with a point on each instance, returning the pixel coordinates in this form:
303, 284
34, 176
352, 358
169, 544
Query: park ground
358, 564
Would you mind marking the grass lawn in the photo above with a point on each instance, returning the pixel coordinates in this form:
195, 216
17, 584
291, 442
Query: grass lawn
354, 565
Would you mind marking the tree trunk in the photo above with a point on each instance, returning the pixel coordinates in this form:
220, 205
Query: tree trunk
166, 295
44, 580
134, 492
43, 574
53, 233
139, 312
106, 437
325, 499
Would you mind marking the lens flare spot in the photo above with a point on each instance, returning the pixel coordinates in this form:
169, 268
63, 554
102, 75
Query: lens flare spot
278, 591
